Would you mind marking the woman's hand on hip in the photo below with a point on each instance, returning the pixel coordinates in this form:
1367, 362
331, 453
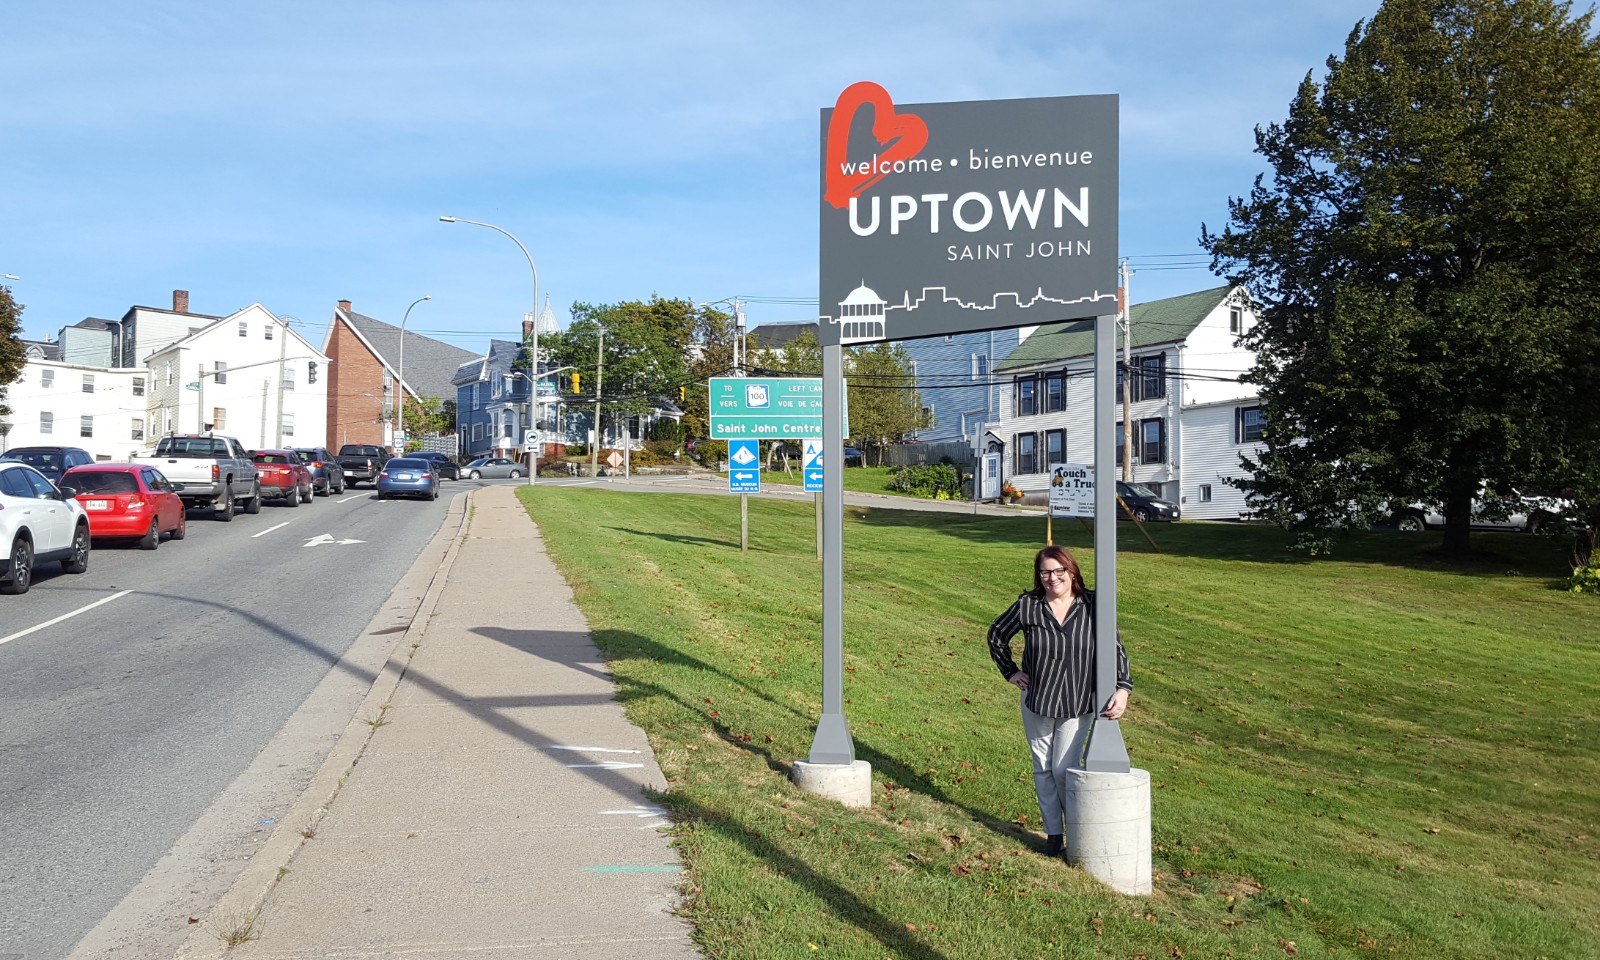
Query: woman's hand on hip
1118, 705
1020, 679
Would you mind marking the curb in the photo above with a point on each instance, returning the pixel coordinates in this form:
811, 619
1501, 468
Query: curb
245, 899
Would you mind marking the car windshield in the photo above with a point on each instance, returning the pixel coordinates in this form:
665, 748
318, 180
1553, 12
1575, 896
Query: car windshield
101, 481
1140, 490
408, 464
479, 462
46, 460
274, 458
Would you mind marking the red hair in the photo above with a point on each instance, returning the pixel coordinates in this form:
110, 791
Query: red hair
1061, 556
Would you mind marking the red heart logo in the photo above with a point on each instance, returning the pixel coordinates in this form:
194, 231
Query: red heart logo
907, 131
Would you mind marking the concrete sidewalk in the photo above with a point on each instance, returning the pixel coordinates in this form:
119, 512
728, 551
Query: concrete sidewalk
496, 811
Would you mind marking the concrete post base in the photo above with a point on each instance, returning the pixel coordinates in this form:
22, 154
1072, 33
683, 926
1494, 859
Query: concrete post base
848, 783
1108, 827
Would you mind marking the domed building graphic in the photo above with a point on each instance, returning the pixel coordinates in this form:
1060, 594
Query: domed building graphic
861, 316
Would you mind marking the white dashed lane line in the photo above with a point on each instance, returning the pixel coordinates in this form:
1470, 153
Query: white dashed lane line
65, 616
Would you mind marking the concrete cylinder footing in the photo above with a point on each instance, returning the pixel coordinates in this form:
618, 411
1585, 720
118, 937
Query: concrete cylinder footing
1108, 827
848, 783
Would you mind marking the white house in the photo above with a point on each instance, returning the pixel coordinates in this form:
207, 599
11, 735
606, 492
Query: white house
1215, 434
100, 409
248, 375
1186, 361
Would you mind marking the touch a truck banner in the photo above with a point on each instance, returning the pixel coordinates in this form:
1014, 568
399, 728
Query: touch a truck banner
941, 218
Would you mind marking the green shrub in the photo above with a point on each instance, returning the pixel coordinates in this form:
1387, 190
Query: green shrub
926, 480
1583, 580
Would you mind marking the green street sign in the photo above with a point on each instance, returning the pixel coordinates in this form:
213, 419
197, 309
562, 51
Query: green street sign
768, 408
191, 386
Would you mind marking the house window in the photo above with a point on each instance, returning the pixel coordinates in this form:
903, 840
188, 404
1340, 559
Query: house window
171, 415
288, 425
47, 422
1027, 397
219, 418
86, 426
288, 378
1153, 441
1151, 380
266, 330
138, 386
1055, 393
1235, 320
1055, 447
47, 378
505, 425
477, 432
172, 372
244, 329
1205, 493
221, 372
88, 383
1121, 446
1027, 447
138, 429
1249, 425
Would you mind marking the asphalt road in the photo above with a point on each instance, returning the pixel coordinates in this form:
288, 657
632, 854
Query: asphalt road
122, 724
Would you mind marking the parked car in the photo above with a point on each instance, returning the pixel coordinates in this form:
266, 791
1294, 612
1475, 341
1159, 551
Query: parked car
1516, 510
446, 468
208, 471
127, 500
362, 461
284, 476
1145, 504
39, 524
50, 461
408, 477
492, 468
327, 476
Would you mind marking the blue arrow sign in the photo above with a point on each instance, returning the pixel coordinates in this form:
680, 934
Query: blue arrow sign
811, 463
744, 463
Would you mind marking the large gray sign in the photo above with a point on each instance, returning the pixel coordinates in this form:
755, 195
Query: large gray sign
949, 217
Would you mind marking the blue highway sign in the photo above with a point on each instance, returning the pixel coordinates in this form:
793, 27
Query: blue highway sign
811, 464
744, 466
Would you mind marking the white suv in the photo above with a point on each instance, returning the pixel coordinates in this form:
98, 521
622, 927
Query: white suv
1518, 512
38, 524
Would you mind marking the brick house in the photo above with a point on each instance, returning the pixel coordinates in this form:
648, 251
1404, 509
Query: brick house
363, 360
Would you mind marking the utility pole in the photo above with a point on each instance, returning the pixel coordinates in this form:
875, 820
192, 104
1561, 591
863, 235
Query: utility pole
1127, 375
599, 368
283, 352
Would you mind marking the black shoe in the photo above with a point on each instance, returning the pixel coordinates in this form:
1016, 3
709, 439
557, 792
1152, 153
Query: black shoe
1053, 845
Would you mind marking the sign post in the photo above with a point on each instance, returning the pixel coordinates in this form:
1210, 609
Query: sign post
811, 471
744, 478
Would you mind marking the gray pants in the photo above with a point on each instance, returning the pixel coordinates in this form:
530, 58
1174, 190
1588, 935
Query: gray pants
1057, 747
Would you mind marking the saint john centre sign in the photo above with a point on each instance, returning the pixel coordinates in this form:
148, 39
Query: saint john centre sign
942, 218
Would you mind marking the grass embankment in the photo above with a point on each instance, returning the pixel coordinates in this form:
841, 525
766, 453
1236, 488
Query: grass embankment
1373, 755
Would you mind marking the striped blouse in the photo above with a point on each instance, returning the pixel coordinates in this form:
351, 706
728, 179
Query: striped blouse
1057, 657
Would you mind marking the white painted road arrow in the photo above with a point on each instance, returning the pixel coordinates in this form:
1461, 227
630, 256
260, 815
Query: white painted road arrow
318, 541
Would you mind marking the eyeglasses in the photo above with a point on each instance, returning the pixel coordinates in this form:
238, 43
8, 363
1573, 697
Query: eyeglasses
1053, 574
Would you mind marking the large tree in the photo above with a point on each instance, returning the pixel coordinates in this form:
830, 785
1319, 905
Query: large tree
643, 358
883, 398
1427, 257
12, 357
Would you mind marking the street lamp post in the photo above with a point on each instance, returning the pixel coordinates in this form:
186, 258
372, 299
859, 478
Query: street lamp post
533, 466
738, 332
400, 379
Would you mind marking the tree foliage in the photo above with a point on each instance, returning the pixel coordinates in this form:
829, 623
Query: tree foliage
1427, 259
883, 397
12, 357
644, 344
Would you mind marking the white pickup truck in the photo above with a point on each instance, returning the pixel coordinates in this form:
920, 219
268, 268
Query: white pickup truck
209, 472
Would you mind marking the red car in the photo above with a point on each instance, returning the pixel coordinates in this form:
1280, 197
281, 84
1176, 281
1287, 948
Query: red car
127, 500
284, 476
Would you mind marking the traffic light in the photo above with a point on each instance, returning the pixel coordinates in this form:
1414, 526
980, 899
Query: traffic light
576, 388
681, 393
311, 374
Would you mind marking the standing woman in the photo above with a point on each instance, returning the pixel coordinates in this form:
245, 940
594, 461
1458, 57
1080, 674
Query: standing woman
1056, 619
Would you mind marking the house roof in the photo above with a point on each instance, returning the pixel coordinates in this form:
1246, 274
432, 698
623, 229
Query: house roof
430, 365
1158, 321
41, 349
93, 323
478, 367
776, 336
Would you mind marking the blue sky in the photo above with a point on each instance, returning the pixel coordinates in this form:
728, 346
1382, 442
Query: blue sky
297, 153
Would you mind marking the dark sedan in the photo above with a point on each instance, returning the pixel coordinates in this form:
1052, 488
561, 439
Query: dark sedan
446, 468
1144, 504
327, 477
408, 477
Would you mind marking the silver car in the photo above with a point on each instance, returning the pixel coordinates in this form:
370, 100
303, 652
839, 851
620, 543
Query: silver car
492, 468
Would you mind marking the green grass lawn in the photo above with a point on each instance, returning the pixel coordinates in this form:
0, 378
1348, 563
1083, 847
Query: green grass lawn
856, 479
1378, 754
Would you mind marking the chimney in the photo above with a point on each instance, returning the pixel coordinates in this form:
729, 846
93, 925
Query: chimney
180, 301
527, 327
344, 305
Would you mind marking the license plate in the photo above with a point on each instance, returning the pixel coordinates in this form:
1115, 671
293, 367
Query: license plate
408, 476
97, 505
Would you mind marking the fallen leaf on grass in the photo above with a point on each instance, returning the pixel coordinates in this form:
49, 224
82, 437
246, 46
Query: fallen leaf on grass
1431, 830
1288, 947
